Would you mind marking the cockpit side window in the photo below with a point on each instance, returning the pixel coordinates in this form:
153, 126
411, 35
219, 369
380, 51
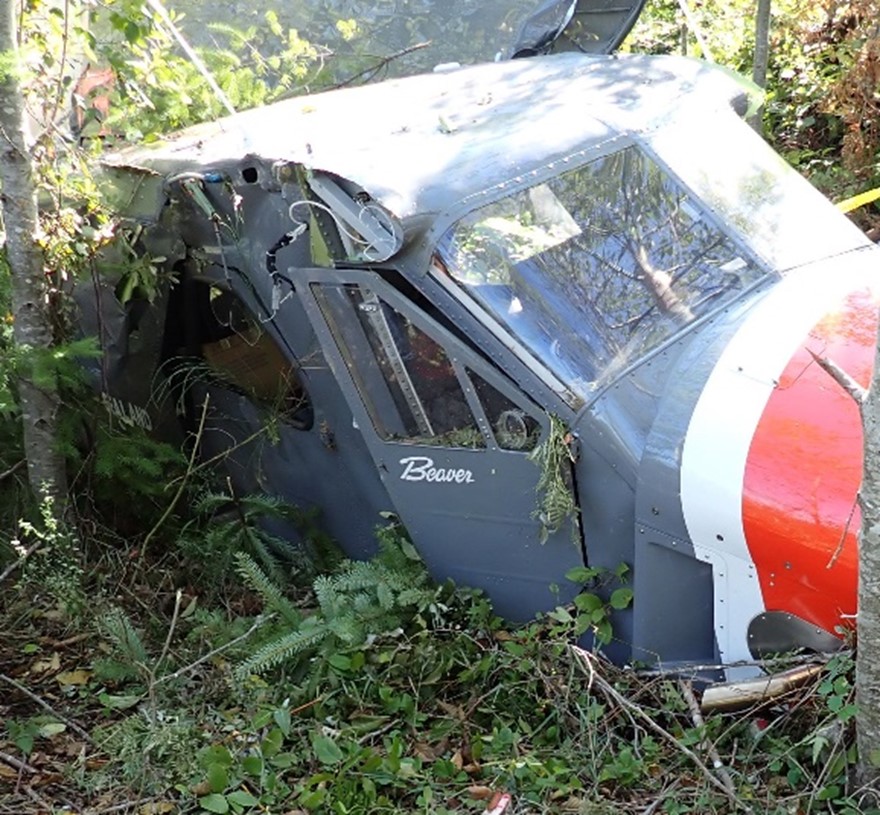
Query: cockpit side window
243, 356
592, 269
406, 379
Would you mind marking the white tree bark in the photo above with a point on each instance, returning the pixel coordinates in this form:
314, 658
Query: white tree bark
762, 57
868, 651
38, 396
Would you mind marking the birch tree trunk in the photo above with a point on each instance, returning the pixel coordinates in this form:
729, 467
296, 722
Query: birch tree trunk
868, 651
762, 57
38, 394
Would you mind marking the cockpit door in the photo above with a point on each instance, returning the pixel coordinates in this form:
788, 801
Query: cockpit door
450, 438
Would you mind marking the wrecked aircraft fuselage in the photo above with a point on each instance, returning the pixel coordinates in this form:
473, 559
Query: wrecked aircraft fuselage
406, 281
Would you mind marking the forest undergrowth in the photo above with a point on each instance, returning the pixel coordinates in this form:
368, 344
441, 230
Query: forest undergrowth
156, 663
156, 688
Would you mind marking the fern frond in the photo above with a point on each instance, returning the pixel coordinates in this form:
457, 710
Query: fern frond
257, 580
385, 596
117, 626
415, 597
281, 649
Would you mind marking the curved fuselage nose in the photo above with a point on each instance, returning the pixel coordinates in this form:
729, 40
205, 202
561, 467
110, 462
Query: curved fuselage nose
772, 458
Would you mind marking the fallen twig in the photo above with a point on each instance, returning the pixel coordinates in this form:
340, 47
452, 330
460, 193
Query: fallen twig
46, 706
697, 717
21, 559
585, 660
120, 807
18, 764
39, 800
180, 672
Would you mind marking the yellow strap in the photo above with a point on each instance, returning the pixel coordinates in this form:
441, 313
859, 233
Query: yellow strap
859, 200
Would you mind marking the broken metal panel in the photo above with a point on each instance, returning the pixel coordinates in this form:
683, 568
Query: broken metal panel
588, 26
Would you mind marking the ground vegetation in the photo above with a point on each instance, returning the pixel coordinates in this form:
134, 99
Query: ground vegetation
163, 654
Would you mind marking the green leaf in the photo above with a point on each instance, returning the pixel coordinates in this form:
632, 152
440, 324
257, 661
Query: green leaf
242, 798
218, 777
51, 729
621, 598
340, 662
215, 754
604, 633
132, 31
314, 799
326, 750
588, 602
272, 743
24, 741
847, 712
282, 719
214, 803
828, 793
252, 765
581, 574
118, 702
410, 551
819, 744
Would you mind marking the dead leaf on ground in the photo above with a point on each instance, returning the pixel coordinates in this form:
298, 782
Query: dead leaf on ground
78, 677
50, 665
157, 808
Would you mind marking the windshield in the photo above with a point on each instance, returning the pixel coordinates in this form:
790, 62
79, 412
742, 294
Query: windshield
591, 270
781, 215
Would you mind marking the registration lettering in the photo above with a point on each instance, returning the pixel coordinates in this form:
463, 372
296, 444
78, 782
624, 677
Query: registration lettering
421, 468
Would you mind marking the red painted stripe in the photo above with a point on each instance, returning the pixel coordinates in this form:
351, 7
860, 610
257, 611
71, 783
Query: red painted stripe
804, 469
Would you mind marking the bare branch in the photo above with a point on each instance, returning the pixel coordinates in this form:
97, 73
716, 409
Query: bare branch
697, 717
841, 377
585, 661
18, 764
374, 69
21, 559
178, 673
13, 469
46, 706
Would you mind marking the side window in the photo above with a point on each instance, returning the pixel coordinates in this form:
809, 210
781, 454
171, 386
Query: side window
512, 427
405, 379
243, 356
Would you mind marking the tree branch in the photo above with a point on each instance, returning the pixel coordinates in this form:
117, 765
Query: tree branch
21, 559
46, 706
13, 469
21, 766
585, 660
374, 69
841, 377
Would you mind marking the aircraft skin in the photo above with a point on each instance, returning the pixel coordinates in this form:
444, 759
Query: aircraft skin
711, 453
